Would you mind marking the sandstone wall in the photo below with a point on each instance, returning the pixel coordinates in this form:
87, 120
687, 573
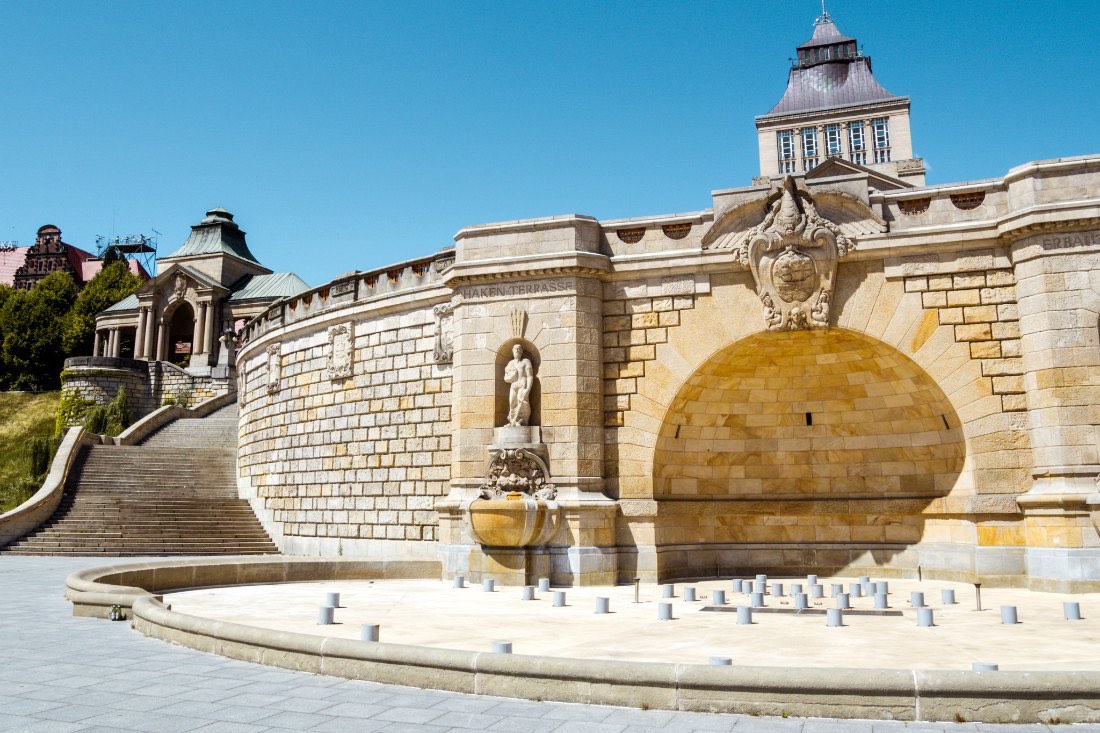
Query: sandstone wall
345, 419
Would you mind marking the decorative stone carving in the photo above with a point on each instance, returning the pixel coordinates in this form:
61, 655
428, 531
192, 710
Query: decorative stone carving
793, 255
442, 263
520, 376
517, 469
274, 368
444, 333
340, 351
518, 317
179, 286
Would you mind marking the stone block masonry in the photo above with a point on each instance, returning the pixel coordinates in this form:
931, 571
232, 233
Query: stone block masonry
340, 459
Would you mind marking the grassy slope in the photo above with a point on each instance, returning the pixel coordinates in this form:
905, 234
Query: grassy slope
22, 415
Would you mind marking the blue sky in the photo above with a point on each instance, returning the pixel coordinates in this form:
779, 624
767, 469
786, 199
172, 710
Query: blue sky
348, 135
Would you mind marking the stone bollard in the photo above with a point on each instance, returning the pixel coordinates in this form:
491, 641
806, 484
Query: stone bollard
762, 578
916, 598
460, 581
882, 586
757, 600
488, 585
811, 580
817, 591
867, 589
544, 585
801, 602
744, 615
332, 599
924, 616
664, 611
528, 593
1071, 610
668, 590
843, 602
834, 617
796, 588
836, 589
559, 598
326, 615
855, 590
368, 632
984, 667
603, 604
721, 661
947, 595
689, 593
502, 647
880, 601
1008, 615
736, 585
777, 590
718, 598
760, 587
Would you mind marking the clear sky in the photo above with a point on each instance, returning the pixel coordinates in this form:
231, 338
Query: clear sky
349, 135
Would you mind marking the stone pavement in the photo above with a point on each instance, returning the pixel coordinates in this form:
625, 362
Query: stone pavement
60, 674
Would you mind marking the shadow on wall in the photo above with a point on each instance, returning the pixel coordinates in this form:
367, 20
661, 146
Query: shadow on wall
801, 451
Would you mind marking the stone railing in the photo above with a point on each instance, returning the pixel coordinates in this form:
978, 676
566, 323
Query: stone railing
29, 515
353, 287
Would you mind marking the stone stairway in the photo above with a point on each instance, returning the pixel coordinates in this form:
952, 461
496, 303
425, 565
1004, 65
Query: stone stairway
175, 494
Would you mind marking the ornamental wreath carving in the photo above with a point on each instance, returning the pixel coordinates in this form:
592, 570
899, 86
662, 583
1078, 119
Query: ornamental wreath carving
444, 334
517, 469
793, 256
340, 351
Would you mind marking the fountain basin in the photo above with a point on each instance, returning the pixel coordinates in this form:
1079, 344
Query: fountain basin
516, 520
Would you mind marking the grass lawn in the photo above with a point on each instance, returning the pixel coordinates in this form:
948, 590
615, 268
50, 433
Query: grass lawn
22, 415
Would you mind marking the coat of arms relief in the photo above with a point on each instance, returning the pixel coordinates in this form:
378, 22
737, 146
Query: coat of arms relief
792, 255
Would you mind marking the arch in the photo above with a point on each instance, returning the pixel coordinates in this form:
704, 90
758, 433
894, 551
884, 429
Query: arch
180, 320
801, 452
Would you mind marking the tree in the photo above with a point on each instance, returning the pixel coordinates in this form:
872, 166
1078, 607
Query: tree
113, 283
110, 257
31, 324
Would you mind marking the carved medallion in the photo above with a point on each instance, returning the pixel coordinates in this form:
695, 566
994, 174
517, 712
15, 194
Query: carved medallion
340, 351
793, 255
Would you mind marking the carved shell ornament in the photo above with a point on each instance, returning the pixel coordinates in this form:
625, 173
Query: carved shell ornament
793, 255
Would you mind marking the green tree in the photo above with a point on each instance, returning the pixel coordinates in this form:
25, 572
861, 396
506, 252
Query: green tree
113, 283
31, 324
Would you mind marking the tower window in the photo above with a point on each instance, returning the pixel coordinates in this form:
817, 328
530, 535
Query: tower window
785, 146
857, 143
832, 139
881, 127
809, 148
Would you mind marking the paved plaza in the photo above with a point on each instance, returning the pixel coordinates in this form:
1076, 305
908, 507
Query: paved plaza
61, 674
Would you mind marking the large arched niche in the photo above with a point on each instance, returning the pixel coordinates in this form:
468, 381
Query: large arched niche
805, 451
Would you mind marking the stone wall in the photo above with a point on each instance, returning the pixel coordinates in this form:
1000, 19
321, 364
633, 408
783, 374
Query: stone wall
345, 426
97, 379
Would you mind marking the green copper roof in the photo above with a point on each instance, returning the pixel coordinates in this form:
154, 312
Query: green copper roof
216, 234
274, 286
129, 303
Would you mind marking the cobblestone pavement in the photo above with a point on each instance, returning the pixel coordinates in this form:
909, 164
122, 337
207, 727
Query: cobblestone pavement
60, 674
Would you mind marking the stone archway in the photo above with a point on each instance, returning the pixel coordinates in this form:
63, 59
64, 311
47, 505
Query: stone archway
181, 333
801, 451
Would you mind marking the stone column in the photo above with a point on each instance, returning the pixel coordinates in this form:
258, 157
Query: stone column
209, 338
1060, 358
150, 334
196, 333
162, 341
139, 336
96, 345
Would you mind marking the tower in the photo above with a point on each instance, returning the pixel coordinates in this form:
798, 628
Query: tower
834, 108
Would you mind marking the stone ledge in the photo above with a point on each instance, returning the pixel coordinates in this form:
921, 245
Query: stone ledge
1001, 697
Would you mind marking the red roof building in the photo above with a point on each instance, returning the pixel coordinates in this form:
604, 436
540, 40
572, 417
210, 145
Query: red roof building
24, 267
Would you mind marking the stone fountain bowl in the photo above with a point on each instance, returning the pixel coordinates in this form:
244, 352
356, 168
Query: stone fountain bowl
517, 520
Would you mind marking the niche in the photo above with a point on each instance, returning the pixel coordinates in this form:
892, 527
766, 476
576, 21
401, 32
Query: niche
504, 355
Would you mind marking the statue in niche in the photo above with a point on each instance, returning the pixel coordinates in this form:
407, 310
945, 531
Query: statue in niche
521, 376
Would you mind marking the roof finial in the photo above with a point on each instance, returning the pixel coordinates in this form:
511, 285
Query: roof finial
824, 15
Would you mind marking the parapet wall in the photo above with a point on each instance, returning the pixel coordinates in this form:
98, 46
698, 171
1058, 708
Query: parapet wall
345, 412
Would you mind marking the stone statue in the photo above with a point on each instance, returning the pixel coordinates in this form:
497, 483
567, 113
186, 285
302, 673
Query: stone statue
521, 376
